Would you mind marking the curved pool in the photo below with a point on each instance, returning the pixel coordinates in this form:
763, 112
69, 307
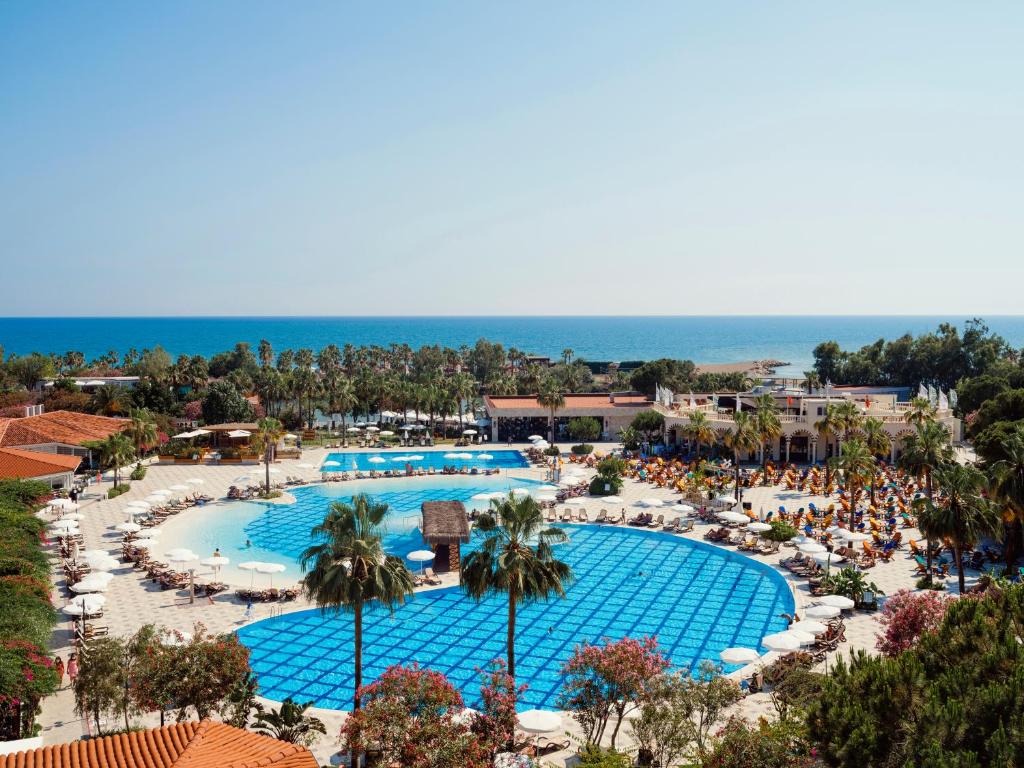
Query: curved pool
400, 459
697, 599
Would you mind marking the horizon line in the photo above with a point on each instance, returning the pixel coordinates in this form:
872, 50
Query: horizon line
968, 315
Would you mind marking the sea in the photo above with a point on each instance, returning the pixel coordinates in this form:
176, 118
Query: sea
703, 339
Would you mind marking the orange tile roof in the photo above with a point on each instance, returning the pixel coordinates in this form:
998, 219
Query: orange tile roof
588, 400
17, 463
66, 427
183, 745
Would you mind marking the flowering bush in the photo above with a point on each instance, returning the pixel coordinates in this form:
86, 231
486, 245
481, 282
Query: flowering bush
26, 676
610, 679
906, 616
496, 722
780, 744
412, 717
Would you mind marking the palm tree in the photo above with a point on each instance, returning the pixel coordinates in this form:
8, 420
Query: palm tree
264, 440
829, 426
551, 397
141, 430
516, 559
920, 412
878, 442
963, 515
342, 399
1007, 486
109, 400
349, 569
850, 416
813, 381
768, 426
290, 723
742, 437
923, 453
857, 466
115, 452
699, 430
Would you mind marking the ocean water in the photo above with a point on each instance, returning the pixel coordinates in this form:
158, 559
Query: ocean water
699, 338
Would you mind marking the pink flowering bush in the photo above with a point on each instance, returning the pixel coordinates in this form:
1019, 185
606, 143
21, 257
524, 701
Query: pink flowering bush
906, 616
496, 721
608, 680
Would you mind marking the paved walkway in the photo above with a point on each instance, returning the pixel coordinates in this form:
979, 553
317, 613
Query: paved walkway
133, 601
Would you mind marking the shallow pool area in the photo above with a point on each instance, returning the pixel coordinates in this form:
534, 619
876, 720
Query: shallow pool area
254, 530
697, 599
401, 459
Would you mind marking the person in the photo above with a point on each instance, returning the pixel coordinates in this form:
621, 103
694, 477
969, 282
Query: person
73, 668
74, 495
248, 543
58, 667
216, 552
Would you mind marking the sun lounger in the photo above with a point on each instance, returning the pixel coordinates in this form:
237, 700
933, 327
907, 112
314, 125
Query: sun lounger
430, 576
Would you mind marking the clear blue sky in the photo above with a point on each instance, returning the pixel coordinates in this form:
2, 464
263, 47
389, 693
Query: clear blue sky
512, 158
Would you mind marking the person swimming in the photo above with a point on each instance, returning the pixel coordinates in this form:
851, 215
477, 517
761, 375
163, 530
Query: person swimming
248, 544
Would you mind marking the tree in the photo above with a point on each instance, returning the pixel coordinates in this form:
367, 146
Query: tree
953, 699
496, 722
290, 723
906, 616
351, 570
412, 717
676, 375
584, 429
923, 452
110, 400
766, 744
741, 438
115, 451
506, 563
264, 440
612, 679
699, 430
920, 412
963, 515
202, 671
1007, 486
141, 430
878, 443
857, 466
223, 403
829, 426
551, 397
30, 369
768, 425
99, 687
650, 423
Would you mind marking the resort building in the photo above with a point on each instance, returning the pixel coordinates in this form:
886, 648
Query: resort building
56, 470
516, 417
197, 745
60, 432
92, 383
801, 441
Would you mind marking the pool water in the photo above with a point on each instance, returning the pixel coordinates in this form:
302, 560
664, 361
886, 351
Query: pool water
280, 532
350, 461
697, 599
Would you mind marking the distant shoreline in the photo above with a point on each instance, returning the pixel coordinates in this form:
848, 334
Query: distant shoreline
750, 367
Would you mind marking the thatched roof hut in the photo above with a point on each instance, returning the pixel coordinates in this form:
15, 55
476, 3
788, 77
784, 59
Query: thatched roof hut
444, 522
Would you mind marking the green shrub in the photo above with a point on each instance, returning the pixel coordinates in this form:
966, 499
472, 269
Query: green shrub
599, 483
582, 449
781, 531
584, 428
138, 473
552, 451
592, 756
117, 490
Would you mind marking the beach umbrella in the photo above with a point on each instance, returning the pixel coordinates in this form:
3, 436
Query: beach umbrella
387, 433
497, 495
837, 601
128, 527
464, 716
216, 562
376, 460
534, 438
331, 463
353, 429
195, 481
739, 655
484, 456
250, 565
546, 497
733, 517
758, 527
373, 429
420, 556
480, 497
822, 612
539, 721
780, 641
64, 526
91, 603
680, 507
61, 503
811, 548
161, 492
181, 555
651, 502
86, 585
827, 558
270, 569
854, 536
469, 431
613, 499
520, 491
726, 500
155, 499
104, 564
138, 504
804, 638
239, 433
811, 626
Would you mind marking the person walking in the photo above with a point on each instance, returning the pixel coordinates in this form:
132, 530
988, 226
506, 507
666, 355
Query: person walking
58, 667
72, 668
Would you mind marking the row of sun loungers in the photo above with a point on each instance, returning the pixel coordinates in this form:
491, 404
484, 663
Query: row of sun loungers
270, 595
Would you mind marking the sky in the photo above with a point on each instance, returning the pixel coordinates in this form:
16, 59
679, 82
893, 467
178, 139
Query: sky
475, 158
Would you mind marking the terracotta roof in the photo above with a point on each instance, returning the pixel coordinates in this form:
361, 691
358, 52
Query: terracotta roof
66, 427
582, 401
231, 426
18, 463
183, 745
444, 522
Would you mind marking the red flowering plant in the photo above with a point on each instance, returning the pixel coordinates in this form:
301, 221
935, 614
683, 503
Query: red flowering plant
906, 616
496, 721
412, 716
613, 679
26, 676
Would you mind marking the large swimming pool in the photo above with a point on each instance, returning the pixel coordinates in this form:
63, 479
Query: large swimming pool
697, 599
481, 458
250, 530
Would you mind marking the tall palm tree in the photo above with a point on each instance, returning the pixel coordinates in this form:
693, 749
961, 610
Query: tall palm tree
515, 558
342, 399
878, 442
264, 440
857, 466
109, 400
551, 397
115, 452
1007, 486
829, 426
348, 569
920, 412
850, 416
768, 426
699, 430
963, 515
141, 430
743, 437
923, 453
